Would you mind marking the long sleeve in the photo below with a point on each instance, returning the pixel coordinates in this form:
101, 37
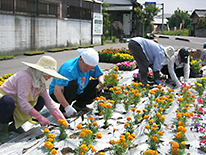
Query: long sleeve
187, 69
172, 71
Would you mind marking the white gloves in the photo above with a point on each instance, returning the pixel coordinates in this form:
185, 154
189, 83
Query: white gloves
70, 111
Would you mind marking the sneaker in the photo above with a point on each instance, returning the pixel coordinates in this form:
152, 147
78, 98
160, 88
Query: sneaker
85, 109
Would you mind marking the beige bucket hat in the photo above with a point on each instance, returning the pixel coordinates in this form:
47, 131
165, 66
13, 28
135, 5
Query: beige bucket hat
169, 51
48, 65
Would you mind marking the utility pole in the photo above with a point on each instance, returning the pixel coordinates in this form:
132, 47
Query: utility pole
162, 17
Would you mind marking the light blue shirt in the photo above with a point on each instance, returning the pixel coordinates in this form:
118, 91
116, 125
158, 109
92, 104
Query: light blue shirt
71, 70
154, 52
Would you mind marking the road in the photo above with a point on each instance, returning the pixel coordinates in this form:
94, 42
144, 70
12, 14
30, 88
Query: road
14, 65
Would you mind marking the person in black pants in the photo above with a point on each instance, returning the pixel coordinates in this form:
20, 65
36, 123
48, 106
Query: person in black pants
84, 76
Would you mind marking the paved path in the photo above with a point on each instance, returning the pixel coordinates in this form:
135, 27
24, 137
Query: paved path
14, 65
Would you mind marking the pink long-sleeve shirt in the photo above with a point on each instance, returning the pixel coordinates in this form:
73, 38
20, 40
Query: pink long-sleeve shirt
20, 85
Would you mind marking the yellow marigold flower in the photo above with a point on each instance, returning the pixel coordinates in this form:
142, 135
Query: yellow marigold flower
46, 130
83, 147
179, 135
112, 142
101, 153
127, 134
162, 118
151, 121
158, 114
155, 125
147, 126
99, 135
112, 101
53, 151
51, 135
179, 128
183, 143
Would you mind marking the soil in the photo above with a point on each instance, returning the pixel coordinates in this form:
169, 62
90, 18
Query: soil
196, 54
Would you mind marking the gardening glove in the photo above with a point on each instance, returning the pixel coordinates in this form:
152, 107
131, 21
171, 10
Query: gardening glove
70, 111
159, 82
100, 87
41, 119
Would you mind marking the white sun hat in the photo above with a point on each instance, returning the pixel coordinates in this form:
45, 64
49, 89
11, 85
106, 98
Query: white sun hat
48, 65
169, 51
89, 55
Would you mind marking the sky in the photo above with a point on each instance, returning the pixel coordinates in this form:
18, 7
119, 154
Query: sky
171, 5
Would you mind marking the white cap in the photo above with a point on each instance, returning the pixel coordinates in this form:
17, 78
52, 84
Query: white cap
89, 55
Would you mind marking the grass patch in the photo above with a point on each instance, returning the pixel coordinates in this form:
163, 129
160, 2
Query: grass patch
55, 50
34, 52
6, 57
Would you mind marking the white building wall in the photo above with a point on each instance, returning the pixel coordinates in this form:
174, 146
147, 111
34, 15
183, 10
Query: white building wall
20, 33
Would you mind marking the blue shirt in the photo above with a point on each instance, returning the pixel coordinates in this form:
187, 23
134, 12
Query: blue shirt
71, 70
154, 52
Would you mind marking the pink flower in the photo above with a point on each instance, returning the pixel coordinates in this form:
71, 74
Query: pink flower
201, 110
201, 129
200, 100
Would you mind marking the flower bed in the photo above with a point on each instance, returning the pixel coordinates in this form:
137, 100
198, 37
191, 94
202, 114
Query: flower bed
136, 120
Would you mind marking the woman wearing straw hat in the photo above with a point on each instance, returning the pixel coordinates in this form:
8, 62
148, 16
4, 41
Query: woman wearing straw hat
148, 53
80, 89
24, 94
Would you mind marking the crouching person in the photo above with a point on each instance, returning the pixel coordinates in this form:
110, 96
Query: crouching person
24, 94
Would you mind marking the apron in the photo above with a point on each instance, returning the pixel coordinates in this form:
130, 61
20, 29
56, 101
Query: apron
19, 116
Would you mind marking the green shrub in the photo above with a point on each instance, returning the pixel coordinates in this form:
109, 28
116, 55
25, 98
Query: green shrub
184, 32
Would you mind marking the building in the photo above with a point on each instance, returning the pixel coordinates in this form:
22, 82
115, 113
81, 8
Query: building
196, 14
41, 24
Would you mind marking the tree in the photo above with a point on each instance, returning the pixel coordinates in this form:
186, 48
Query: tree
146, 15
179, 17
106, 21
201, 24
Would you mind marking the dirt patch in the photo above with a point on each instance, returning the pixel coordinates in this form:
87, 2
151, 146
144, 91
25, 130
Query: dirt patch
196, 54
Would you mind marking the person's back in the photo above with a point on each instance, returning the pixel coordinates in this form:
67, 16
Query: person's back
203, 54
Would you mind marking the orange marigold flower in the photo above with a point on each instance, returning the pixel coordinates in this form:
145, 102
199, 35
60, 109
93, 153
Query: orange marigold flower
179, 128
133, 109
46, 130
147, 126
133, 135
82, 134
94, 150
53, 151
193, 96
158, 114
155, 105
138, 111
180, 99
51, 135
146, 116
179, 135
129, 118
112, 142
151, 121
160, 133
126, 124
95, 123
130, 138
79, 126
99, 135
162, 118
180, 123
184, 130
90, 146
83, 147
154, 138
109, 106
175, 145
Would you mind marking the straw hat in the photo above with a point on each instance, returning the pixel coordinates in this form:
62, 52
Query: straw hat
155, 40
89, 55
48, 65
169, 51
